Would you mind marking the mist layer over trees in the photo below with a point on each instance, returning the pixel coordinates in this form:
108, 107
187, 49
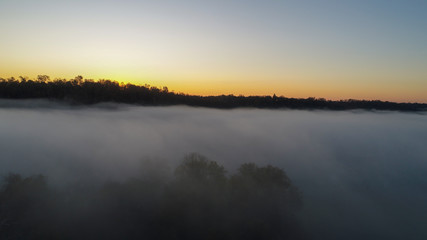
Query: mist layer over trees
88, 91
200, 202
361, 174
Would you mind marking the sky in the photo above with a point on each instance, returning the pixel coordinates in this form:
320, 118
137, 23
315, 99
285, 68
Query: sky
343, 49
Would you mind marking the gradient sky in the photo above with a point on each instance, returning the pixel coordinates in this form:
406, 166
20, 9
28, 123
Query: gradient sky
361, 49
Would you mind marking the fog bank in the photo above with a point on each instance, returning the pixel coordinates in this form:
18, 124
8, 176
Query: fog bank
362, 174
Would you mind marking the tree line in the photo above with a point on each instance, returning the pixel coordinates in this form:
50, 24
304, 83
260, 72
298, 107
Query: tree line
88, 91
200, 201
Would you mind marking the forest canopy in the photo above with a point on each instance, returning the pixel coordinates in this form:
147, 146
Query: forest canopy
88, 91
201, 201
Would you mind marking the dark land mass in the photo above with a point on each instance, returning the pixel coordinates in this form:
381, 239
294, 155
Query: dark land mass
88, 91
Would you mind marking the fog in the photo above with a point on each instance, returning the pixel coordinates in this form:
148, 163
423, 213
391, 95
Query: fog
362, 174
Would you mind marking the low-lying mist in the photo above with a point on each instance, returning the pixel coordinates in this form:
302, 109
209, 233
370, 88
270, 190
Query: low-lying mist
361, 174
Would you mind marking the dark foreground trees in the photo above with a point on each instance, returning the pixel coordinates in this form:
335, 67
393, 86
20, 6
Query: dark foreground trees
199, 202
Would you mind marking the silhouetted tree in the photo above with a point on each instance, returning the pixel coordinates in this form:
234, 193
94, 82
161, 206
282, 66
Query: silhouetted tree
199, 202
43, 78
25, 208
264, 203
86, 91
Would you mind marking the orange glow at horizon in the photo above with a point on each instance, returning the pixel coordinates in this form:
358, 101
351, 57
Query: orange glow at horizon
260, 88
289, 49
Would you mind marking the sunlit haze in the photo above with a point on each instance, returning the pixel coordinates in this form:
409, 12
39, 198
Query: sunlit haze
363, 49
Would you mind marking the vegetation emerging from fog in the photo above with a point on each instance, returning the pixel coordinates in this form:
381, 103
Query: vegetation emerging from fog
199, 202
88, 91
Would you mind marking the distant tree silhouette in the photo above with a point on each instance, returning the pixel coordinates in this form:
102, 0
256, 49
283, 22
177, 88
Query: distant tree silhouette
43, 78
87, 91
